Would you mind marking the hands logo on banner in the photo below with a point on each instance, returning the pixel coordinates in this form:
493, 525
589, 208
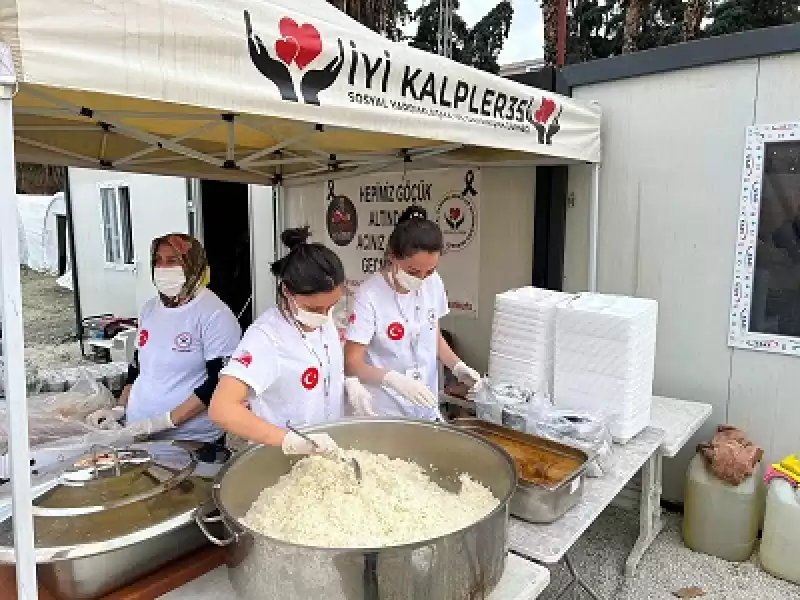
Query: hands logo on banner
298, 46
540, 119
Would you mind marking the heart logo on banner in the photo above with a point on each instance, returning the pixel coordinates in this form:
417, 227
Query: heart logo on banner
287, 50
300, 44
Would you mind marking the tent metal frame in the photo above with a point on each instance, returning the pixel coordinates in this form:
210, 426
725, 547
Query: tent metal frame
293, 150
297, 149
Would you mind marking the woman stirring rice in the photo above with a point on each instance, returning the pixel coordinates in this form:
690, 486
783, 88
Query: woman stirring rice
289, 365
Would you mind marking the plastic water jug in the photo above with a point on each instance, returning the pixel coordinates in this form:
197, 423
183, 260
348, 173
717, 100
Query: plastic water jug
780, 540
718, 518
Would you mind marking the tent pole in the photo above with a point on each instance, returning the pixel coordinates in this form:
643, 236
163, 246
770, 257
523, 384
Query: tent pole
13, 351
594, 209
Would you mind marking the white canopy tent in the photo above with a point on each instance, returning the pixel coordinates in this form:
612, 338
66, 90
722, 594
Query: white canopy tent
262, 91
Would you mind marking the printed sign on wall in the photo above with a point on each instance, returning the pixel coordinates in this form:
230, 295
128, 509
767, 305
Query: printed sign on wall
361, 212
765, 272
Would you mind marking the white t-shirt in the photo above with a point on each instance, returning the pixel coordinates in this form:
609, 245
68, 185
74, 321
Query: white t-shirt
400, 332
174, 345
292, 376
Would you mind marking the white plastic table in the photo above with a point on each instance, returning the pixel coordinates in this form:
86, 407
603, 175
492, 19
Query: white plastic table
680, 420
673, 423
522, 580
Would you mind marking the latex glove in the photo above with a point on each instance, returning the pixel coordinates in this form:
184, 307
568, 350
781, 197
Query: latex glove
412, 390
149, 427
359, 398
467, 375
106, 418
293, 444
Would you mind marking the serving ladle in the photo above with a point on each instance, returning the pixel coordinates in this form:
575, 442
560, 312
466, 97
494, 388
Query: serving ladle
353, 462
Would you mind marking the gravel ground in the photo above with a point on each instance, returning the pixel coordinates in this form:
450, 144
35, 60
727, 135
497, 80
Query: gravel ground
667, 566
48, 312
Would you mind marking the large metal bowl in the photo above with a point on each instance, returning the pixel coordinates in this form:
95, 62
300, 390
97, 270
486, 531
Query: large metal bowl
465, 564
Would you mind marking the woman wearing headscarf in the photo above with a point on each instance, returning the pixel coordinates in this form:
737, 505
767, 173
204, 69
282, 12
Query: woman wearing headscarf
186, 335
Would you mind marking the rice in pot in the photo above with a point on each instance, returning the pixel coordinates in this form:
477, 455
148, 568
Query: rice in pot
319, 503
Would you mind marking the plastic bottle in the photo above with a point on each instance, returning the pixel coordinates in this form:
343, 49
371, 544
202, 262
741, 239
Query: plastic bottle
780, 540
718, 518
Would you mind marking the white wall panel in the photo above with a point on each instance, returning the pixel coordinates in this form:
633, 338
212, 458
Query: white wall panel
669, 198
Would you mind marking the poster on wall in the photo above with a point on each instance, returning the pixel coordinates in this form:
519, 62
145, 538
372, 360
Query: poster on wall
765, 294
360, 213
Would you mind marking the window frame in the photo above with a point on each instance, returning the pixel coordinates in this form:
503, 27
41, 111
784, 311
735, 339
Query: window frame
740, 335
120, 238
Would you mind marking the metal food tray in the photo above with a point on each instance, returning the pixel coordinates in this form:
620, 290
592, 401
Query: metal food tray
535, 502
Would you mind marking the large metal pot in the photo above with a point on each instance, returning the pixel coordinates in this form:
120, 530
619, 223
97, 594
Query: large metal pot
113, 519
466, 564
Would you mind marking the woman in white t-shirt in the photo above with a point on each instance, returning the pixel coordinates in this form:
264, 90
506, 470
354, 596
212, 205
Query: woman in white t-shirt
393, 340
289, 366
186, 334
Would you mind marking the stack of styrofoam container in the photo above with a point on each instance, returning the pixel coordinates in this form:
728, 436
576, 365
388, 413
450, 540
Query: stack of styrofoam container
604, 359
523, 330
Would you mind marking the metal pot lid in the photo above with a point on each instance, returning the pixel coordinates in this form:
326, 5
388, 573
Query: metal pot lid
89, 514
108, 478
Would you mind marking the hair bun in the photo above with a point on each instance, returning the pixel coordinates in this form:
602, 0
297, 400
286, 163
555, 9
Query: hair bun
292, 238
413, 212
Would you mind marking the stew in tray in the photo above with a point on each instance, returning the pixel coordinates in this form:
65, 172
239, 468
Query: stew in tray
535, 465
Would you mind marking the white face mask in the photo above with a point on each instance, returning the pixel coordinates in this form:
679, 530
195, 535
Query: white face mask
310, 319
169, 280
406, 281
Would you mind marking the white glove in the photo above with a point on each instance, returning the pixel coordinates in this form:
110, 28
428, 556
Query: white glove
294, 444
149, 427
359, 398
106, 418
466, 374
412, 390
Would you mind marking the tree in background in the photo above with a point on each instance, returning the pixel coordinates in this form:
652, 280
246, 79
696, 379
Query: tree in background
732, 16
477, 47
382, 16
40, 179
696, 11
603, 28
633, 25
550, 25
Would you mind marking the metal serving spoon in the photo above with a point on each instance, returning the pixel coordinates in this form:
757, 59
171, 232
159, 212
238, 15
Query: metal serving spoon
353, 462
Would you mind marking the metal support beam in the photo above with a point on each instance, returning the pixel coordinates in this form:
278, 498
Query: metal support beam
594, 224
154, 147
13, 343
250, 160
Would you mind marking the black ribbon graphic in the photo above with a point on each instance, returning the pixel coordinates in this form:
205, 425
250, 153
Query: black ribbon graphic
331, 192
469, 179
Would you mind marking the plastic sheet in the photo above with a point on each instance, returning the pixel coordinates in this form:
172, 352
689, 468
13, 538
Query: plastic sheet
584, 430
33, 381
56, 421
84, 397
509, 404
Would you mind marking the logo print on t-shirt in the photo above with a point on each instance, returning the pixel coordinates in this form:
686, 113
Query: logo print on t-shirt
183, 341
310, 378
352, 318
144, 335
245, 359
396, 331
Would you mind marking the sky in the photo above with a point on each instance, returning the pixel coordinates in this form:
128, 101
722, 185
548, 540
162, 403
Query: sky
526, 40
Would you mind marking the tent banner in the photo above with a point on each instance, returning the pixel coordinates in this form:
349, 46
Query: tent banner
301, 61
361, 212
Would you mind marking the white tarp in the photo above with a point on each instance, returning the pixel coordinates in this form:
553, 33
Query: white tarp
360, 213
40, 231
293, 62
